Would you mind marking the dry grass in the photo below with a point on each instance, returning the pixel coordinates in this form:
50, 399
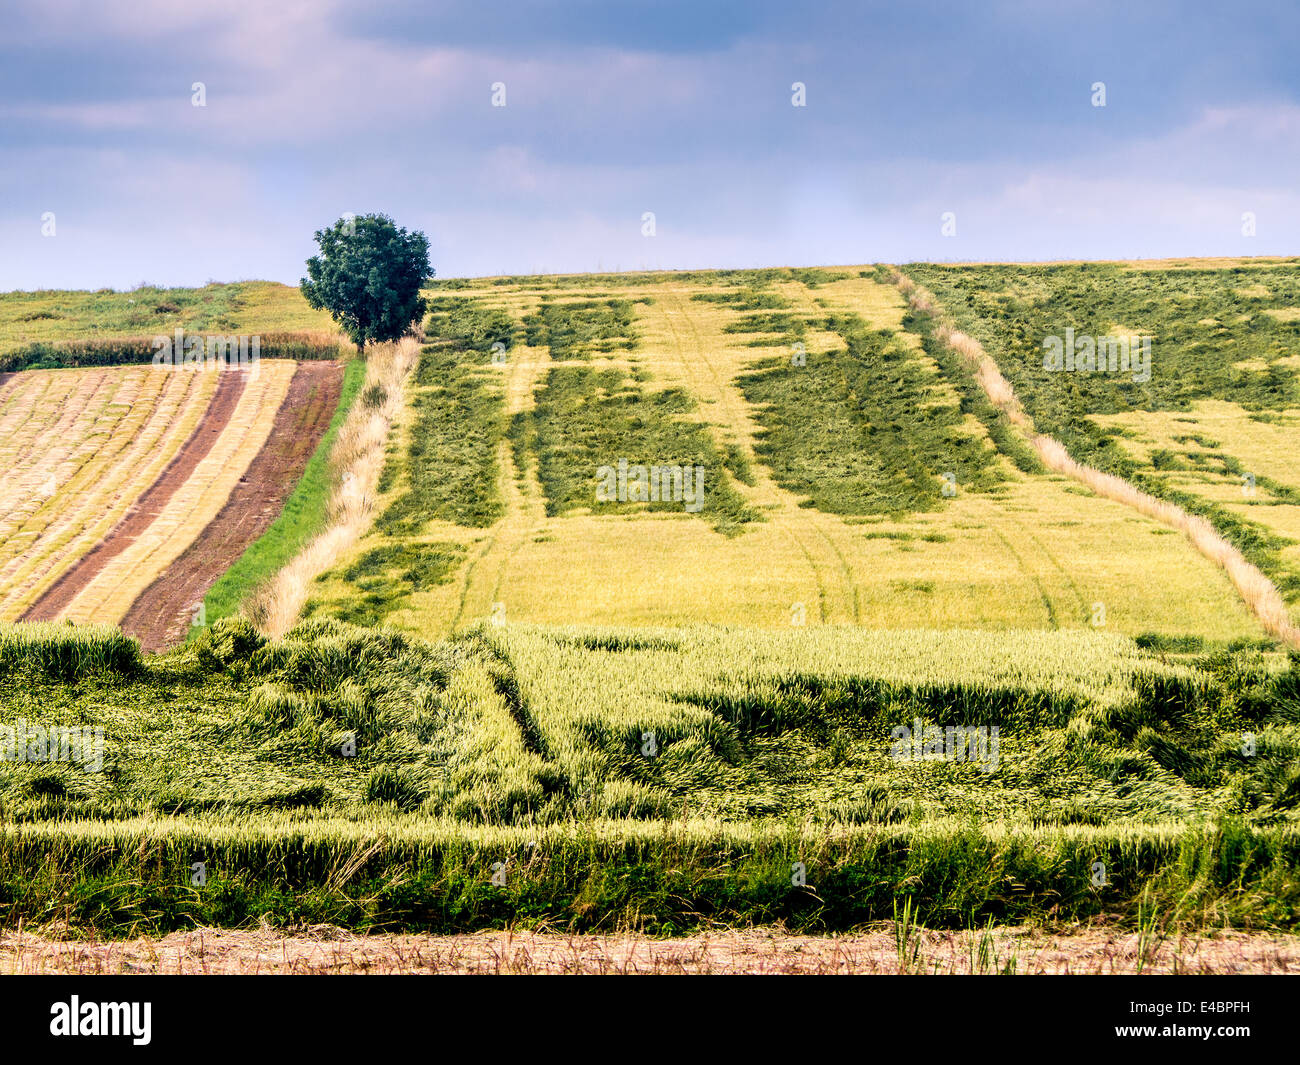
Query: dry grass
357, 459
328, 950
108, 597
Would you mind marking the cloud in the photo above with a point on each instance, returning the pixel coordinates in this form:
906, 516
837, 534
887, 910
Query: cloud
684, 110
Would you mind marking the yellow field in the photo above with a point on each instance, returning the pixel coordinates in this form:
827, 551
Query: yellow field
81, 446
1262, 449
1042, 552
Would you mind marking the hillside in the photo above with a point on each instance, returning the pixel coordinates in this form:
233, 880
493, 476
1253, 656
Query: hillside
659, 601
854, 473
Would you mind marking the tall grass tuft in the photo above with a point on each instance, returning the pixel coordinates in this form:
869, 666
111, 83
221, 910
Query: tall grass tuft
67, 652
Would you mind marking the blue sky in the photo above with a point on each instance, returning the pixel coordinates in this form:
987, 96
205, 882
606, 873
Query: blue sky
617, 109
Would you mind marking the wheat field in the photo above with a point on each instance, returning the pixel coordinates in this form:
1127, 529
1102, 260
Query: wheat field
1039, 551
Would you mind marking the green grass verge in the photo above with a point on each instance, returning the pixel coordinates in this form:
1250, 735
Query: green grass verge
303, 516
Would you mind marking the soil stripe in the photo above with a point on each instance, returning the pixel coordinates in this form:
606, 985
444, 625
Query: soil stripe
161, 615
60, 594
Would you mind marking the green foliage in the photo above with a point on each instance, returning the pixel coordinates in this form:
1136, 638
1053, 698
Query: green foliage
68, 652
368, 275
131, 351
107, 327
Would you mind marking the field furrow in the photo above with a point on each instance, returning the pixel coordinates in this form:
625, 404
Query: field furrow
180, 516
72, 503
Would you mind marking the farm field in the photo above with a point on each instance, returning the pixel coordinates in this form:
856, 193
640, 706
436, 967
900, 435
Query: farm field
526, 540
1223, 360
51, 327
80, 446
121, 472
534, 687
656, 780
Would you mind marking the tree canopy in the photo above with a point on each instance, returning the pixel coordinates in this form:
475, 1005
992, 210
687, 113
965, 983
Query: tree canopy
368, 275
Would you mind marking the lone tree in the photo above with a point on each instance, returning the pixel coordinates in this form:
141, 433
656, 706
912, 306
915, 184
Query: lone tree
368, 276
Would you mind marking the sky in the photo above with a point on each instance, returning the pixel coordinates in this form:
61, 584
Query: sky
927, 131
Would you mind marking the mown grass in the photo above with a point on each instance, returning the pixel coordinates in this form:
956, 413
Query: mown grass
468, 323
577, 329
585, 418
303, 516
449, 470
861, 430
1213, 338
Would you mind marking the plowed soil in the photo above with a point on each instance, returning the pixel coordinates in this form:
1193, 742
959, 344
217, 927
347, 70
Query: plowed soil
164, 611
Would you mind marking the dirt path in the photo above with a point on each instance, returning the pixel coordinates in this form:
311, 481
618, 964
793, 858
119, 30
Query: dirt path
1256, 590
163, 612
151, 503
326, 949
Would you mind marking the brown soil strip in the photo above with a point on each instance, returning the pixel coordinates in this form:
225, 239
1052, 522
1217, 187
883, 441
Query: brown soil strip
162, 614
56, 598
324, 949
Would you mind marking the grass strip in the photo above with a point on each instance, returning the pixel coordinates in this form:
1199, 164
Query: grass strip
303, 516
